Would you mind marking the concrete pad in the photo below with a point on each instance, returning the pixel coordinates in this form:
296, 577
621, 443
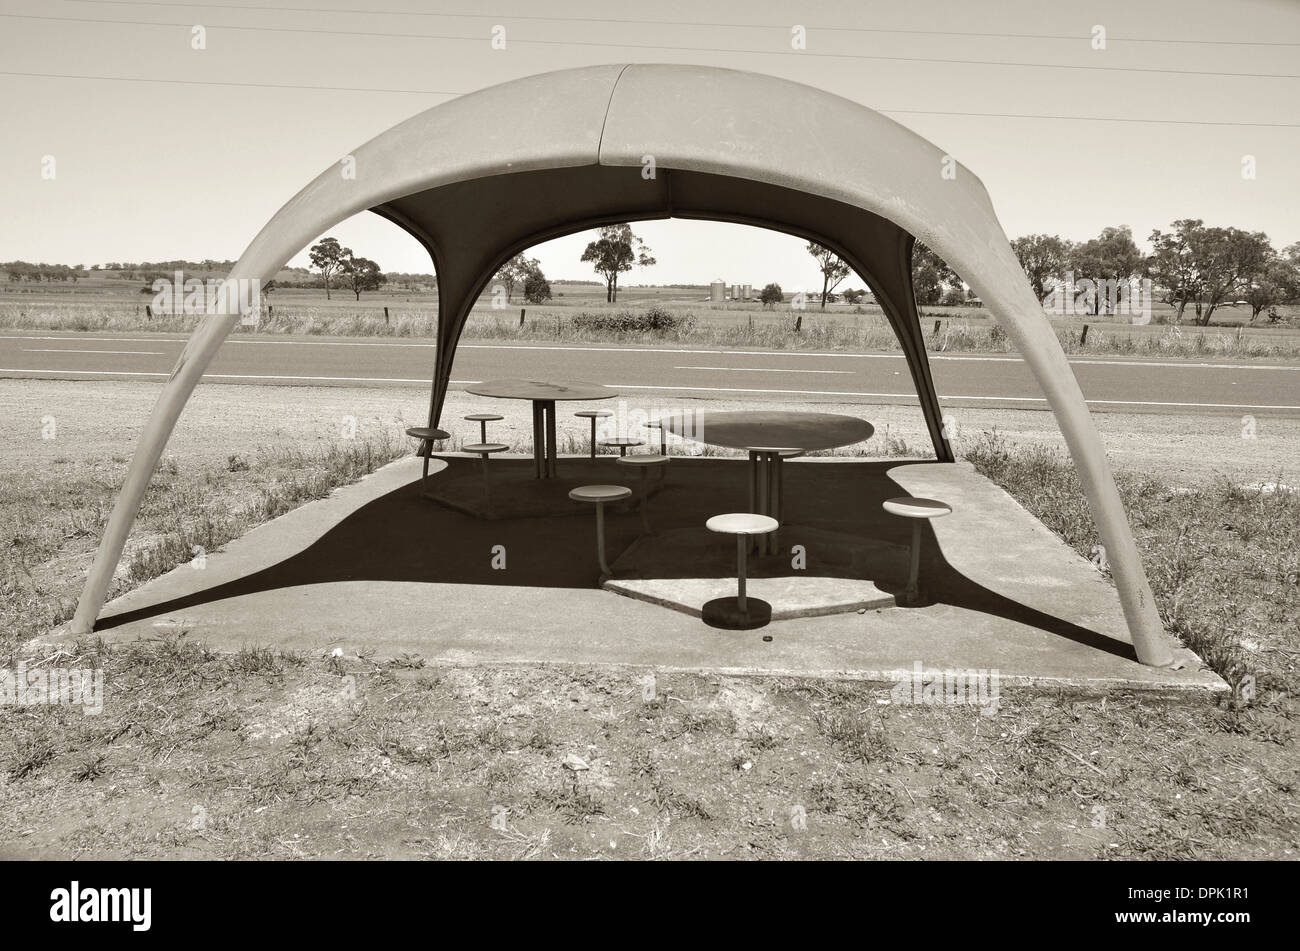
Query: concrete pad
374, 568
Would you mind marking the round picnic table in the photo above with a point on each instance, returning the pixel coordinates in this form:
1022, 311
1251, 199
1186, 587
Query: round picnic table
544, 396
769, 437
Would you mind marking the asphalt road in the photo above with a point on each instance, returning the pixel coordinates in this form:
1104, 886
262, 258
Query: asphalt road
1109, 383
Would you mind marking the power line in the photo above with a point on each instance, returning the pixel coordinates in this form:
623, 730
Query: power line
443, 92
689, 23
216, 82
678, 49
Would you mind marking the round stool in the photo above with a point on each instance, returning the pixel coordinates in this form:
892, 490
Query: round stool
918, 510
427, 436
645, 462
600, 494
593, 415
622, 443
483, 450
739, 613
483, 419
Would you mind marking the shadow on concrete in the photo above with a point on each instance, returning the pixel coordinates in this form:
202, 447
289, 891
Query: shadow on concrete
401, 537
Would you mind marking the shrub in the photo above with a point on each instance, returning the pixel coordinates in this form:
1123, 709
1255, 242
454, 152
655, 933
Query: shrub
771, 295
654, 320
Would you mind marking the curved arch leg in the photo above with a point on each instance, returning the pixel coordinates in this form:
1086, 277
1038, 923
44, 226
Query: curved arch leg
194, 359
1023, 319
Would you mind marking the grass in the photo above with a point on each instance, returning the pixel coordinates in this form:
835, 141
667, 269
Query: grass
1223, 562
960, 330
266, 754
52, 520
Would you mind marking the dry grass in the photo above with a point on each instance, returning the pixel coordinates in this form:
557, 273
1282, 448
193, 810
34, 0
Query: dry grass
960, 330
52, 519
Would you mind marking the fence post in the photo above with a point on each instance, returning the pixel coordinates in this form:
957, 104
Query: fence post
148, 311
521, 315
385, 316
1083, 337
936, 327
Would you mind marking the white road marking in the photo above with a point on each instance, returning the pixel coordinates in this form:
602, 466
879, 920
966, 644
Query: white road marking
250, 376
763, 370
150, 353
703, 389
974, 358
946, 396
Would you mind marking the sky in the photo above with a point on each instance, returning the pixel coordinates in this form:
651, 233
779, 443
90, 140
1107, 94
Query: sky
163, 151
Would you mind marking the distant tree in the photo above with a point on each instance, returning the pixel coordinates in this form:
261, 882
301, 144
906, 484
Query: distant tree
833, 269
1043, 257
1172, 264
326, 255
1110, 257
537, 289
771, 295
1277, 281
931, 275
851, 296
360, 274
1206, 267
514, 273
617, 250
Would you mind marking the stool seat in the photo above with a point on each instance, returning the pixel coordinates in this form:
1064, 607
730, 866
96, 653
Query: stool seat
483, 417
427, 436
621, 443
786, 451
593, 415
643, 459
426, 432
742, 523
600, 493
484, 447
917, 508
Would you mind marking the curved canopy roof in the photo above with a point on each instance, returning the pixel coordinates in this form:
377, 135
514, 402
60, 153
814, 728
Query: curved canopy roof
484, 176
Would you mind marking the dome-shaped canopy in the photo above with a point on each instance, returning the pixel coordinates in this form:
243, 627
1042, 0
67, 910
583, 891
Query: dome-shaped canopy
484, 176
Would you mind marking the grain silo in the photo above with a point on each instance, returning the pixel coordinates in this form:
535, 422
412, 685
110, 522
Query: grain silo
717, 291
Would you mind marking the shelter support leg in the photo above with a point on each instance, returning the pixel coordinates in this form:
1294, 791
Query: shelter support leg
194, 359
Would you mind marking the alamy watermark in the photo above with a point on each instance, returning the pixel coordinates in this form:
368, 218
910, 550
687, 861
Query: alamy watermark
631, 422
53, 686
979, 688
241, 297
1087, 297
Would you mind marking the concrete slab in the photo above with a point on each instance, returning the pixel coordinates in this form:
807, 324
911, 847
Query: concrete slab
376, 568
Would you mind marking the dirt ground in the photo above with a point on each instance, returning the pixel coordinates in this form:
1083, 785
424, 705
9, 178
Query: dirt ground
106, 418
